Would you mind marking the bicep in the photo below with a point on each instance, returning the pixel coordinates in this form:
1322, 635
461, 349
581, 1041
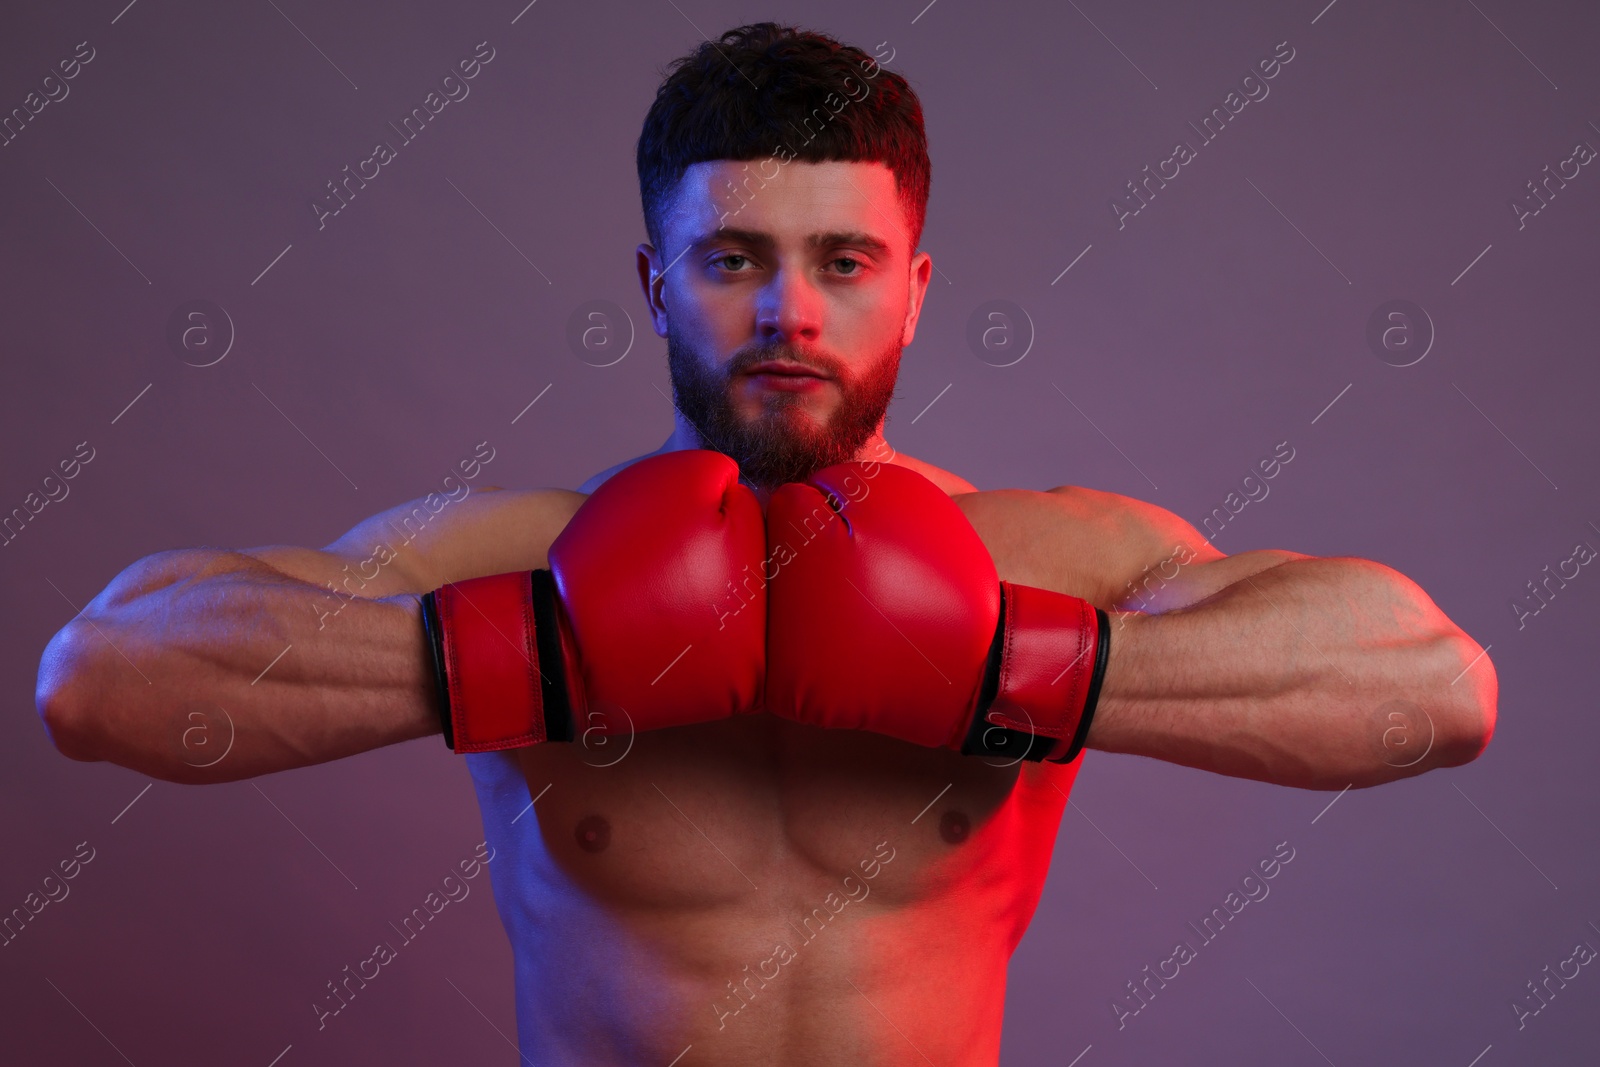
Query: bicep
1180, 582
1126, 554
1176, 566
424, 543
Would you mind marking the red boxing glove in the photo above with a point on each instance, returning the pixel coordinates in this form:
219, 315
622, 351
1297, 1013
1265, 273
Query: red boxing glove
622, 632
886, 614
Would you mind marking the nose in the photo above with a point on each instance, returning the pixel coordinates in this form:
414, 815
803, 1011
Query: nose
789, 308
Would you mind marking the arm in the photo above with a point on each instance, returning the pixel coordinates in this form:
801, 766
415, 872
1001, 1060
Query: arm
280, 656
1271, 665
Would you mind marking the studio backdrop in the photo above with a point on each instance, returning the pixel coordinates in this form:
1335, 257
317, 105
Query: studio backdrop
1170, 241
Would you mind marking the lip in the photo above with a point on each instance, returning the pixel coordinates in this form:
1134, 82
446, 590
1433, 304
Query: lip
782, 368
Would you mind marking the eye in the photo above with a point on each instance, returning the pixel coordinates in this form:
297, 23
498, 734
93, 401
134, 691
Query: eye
725, 258
852, 262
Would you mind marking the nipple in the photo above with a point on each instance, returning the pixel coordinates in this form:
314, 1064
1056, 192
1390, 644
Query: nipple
593, 833
954, 827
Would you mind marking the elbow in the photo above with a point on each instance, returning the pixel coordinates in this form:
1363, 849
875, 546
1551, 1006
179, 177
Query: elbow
57, 696
1444, 718
65, 722
76, 724
1473, 705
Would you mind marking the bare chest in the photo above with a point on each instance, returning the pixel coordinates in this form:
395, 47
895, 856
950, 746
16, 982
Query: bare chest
703, 817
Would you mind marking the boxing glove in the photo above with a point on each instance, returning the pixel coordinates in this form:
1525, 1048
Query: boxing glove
886, 613
623, 631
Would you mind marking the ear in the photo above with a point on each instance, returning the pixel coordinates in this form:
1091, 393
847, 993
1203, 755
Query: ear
921, 272
652, 279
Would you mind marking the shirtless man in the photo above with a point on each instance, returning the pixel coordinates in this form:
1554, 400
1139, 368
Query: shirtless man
759, 889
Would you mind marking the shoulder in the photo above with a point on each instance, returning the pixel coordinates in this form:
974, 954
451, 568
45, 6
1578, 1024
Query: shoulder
600, 479
950, 483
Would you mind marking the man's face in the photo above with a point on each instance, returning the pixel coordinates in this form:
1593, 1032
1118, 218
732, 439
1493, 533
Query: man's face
785, 293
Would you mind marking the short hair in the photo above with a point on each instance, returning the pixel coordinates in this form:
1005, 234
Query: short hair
761, 88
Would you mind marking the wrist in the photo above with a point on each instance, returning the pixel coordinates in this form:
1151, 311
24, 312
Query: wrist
1128, 638
1095, 685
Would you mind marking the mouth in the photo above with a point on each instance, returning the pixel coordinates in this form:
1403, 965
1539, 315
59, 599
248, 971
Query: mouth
785, 376
784, 368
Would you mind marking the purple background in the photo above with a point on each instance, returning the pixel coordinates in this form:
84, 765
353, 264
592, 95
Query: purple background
1190, 342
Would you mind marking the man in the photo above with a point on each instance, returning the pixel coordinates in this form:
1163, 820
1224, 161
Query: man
765, 886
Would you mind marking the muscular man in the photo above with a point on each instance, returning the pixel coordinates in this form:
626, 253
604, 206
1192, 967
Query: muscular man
758, 888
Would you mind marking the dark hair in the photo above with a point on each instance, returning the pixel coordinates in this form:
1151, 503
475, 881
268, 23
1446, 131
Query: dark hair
761, 91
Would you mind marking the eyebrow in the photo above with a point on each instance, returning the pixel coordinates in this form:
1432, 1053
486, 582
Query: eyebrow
860, 238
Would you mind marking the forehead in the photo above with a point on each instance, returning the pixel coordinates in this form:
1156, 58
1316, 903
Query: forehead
788, 200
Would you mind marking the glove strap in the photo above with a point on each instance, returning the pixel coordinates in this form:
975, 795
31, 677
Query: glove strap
1092, 699
441, 685
553, 691
1042, 679
498, 664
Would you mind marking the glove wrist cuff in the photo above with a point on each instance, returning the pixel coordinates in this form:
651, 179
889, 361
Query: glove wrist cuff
498, 663
1043, 677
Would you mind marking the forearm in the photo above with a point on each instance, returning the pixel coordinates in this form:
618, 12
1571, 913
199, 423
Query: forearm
1318, 673
207, 665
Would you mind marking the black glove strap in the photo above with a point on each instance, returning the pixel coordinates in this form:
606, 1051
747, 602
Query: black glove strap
1101, 655
430, 627
552, 664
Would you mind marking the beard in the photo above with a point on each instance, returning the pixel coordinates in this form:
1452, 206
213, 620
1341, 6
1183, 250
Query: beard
783, 443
